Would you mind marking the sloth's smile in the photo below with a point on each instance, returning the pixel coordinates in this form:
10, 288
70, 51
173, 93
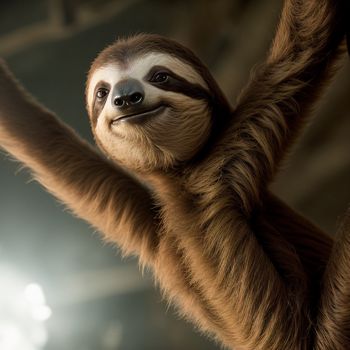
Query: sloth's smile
140, 116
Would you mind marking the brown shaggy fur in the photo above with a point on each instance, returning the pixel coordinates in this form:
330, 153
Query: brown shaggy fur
235, 260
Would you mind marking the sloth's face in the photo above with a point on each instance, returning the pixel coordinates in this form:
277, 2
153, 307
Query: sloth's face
150, 112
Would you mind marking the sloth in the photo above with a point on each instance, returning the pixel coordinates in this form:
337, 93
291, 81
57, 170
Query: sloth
185, 181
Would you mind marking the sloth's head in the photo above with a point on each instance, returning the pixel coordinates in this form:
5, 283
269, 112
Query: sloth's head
152, 103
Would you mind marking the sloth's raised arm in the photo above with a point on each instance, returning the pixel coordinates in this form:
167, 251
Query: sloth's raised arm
333, 326
97, 191
282, 91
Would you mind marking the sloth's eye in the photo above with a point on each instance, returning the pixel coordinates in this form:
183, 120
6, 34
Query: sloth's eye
160, 77
101, 93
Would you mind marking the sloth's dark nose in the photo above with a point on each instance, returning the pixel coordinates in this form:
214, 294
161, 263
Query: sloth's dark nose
128, 93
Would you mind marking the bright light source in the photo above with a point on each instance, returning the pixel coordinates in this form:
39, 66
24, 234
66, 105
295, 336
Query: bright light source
10, 336
41, 313
37, 303
34, 293
23, 311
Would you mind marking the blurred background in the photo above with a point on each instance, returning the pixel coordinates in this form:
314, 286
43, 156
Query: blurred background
60, 286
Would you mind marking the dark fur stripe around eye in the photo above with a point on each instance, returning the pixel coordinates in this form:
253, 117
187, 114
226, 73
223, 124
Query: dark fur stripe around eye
98, 104
178, 84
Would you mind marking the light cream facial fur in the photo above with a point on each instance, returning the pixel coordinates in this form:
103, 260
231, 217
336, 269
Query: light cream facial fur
138, 68
174, 135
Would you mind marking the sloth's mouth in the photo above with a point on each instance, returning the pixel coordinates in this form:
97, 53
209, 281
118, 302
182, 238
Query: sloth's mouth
140, 115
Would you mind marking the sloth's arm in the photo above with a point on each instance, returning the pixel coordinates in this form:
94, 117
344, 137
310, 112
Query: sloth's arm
252, 294
282, 91
270, 112
248, 277
96, 190
333, 326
